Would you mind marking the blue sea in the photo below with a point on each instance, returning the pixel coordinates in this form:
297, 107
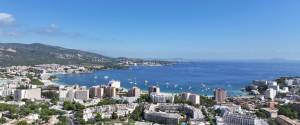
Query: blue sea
196, 77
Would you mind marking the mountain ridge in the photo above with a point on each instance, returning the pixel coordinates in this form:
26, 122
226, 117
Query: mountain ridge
38, 53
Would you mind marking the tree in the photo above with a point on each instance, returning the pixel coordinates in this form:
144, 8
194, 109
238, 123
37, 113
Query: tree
2, 120
98, 117
262, 88
22, 123
261, 114
218, 112
114, 115
144, 98
272, 122
206, 101
111, 101
50, 94
78, 116
68, 106
36, 82
287, 111
54, 101
62, 120
9, 98
78, 106
137, 114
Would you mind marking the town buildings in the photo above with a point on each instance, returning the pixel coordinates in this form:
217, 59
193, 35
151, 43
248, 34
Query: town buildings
193, 98
162, 98
134, 92
106, 111
220, 95
162, 117
81, 94
34, 93
154, 89
162, 109
96, 91
110, 92
241, 119
71, 93
230, 107
169, 114
66, 93
270, 94
274, 85
114, 83
272, 112
158, 97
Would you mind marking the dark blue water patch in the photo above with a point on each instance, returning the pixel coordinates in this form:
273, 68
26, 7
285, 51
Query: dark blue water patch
200, 77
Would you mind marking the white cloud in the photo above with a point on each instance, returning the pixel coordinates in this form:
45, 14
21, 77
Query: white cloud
6, 19
10, 33
52, 29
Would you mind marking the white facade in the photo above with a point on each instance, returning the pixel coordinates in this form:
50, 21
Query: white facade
154, 89
7, 92
114, 83
81, 94
270, 93
229, 107
28, 94
66, 93
161, 98
74, 92
272, 83
239, 119
166, 113
284, 90
107, 110
194, 98
289, 82
162, 117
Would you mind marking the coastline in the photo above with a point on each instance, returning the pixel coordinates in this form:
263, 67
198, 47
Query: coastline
185, 77
58, 82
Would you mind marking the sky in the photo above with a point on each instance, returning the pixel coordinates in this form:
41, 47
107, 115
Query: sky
164, 29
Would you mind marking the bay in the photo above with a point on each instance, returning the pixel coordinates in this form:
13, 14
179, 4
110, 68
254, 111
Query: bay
196, 77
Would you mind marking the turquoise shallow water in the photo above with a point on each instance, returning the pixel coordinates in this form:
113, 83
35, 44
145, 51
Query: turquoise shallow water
197, 77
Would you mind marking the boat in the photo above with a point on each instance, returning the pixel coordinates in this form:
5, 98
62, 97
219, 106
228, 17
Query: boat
106, 77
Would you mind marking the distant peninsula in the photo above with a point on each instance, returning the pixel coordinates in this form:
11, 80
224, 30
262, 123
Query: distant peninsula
37, 53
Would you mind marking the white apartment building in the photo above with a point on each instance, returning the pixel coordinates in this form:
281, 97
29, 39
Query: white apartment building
289, 82
69, 93
194, 98
273, 85
114, 83
6, 91
162, 117
66, 93
194, 113
166, 113
240, 119
106, 111
270, 93
154, 89
162, 98
229, 107
81, 94
28, 94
